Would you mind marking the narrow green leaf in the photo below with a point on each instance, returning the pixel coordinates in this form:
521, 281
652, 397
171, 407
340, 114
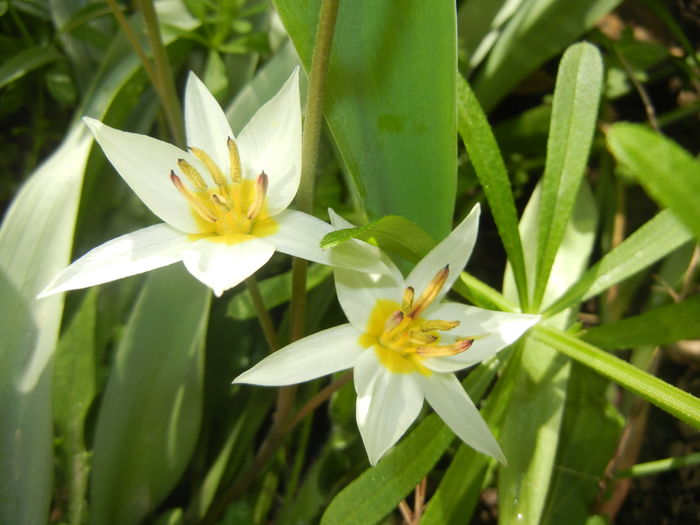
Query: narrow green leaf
149, 418
530, 436
488, 164
392, 233
667, 172
675, 401
537, 32
658, 326
74, 387
384, 125
574, 113
25, 61
638, 251
275, 291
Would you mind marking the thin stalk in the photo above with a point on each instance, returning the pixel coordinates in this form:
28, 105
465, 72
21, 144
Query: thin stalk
659, 466
168, 93
136, 44
268, 327
311, 139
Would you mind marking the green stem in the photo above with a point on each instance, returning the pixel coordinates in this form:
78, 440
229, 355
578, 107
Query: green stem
313, 122
167, 92
659, 466
136, 44
266, 323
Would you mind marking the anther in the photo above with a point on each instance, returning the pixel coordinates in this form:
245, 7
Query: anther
260, 192
192, 174
221, 202
407, 301
393, 321
235, 158
438, 326
431, 291
213, 169
198, 206
445, 350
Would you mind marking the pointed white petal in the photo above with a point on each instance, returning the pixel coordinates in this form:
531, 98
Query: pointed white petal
499, 329
271, 142
314, 356
454, 251
449, 400
387, 404
130, 254
206, 124
222, 266
299, 235
145, 164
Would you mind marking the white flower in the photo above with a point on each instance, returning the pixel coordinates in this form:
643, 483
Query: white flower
404, 344
224, 202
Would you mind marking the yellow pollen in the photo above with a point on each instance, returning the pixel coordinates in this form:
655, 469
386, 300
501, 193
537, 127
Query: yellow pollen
230, 212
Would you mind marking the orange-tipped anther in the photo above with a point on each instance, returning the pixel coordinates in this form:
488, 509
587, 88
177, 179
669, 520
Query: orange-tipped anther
260, 192
431, 291
198, 206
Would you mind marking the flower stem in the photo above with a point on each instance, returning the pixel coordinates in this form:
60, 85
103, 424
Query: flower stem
268, 327
313, 122
136, 44
167, 91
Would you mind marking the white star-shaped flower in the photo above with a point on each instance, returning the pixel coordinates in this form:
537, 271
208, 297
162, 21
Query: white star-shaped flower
404, 344
224, 202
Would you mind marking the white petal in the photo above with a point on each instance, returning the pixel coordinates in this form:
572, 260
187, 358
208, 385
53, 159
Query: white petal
145, 164
387, 404
206, 124
271, 142
130, 254
447, 397
222, 266
299, 235
499, 329
314, 356
358, 293
454, 251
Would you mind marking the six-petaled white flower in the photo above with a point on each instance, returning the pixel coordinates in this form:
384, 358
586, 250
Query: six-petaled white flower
404, 344
224, 202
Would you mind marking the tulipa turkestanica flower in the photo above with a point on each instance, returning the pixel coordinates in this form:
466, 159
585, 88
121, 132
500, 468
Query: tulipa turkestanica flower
404, 344
224, 202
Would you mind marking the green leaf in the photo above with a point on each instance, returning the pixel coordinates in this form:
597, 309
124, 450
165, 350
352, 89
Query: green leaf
74, 387
384, 125
276, 290
658, 326
668, 173
488, 164
392, 233
25, 61
638, 251
537, 32
675, 401
152, 407
530, 435
574, 113
35, 242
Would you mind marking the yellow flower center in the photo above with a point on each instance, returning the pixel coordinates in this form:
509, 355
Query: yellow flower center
401, 338
232, 211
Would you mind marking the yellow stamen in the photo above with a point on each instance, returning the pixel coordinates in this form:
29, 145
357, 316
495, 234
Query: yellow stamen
407, 301
235, 158
437, 325
196, 204
445, 350
221, 202
192, 174
260, 192
393, 321
213, 169
431, 291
